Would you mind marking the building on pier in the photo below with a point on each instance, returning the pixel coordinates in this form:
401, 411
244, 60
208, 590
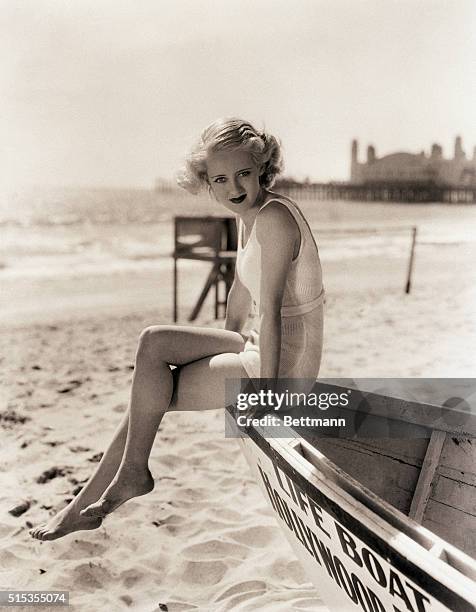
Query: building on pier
415, 168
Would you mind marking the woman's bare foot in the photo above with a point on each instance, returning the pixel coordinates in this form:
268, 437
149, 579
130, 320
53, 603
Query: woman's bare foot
66, 521
127, 484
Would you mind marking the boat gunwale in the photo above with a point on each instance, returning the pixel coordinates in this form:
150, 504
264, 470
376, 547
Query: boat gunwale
413, 560
423, 414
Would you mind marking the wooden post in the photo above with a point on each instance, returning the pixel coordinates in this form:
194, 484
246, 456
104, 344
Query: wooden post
410, 262
175, 313
211, 280
217, 289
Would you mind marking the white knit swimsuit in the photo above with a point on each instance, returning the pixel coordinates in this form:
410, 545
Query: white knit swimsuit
302, 309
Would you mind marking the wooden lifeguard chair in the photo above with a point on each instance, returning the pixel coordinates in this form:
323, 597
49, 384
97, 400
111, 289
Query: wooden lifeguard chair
212, 239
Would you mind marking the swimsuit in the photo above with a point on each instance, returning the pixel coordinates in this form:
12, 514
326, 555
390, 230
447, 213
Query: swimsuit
302, 306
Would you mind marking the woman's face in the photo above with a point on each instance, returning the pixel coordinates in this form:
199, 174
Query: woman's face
234, 179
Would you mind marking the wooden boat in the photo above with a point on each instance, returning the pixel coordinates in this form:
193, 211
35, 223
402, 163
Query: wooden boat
379, 524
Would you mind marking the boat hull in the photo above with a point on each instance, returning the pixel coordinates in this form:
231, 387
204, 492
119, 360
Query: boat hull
360, 552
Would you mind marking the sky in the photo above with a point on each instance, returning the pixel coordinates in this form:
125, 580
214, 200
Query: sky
113, 92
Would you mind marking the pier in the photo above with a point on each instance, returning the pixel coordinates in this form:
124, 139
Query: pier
397, 191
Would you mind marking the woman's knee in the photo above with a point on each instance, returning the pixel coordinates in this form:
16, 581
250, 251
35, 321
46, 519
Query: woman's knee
179, 345
151, 342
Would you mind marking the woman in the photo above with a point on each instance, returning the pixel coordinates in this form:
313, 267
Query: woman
278, 280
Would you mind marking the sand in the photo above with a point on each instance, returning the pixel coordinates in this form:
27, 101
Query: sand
204, 539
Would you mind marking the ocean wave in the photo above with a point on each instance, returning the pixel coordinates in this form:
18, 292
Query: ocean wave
68, 269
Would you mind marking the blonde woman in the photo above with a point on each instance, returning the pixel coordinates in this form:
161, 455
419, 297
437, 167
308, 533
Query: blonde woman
278, 282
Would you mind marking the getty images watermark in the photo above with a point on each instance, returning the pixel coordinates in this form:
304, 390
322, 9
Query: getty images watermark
351, 408
281, 401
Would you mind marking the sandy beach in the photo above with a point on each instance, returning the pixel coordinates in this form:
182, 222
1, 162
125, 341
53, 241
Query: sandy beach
204, 539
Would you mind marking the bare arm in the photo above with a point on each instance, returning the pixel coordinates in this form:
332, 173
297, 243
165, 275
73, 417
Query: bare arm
276, 233
238, 306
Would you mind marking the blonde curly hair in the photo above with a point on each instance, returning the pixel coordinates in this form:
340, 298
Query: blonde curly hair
231, 133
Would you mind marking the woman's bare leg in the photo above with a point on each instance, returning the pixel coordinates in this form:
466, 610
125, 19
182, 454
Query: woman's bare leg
69, 519
151, 391
151, 397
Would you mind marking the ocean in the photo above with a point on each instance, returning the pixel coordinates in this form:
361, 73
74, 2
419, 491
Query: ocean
80, 231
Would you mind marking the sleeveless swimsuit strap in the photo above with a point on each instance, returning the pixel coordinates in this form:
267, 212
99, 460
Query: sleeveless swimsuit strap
292, 311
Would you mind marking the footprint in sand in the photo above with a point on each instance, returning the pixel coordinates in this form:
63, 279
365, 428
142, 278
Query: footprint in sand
254, 536
287, 573
205, 573
214, 550
239, 588
90, 577
10, 561
130, 577
127, 599
83, 549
